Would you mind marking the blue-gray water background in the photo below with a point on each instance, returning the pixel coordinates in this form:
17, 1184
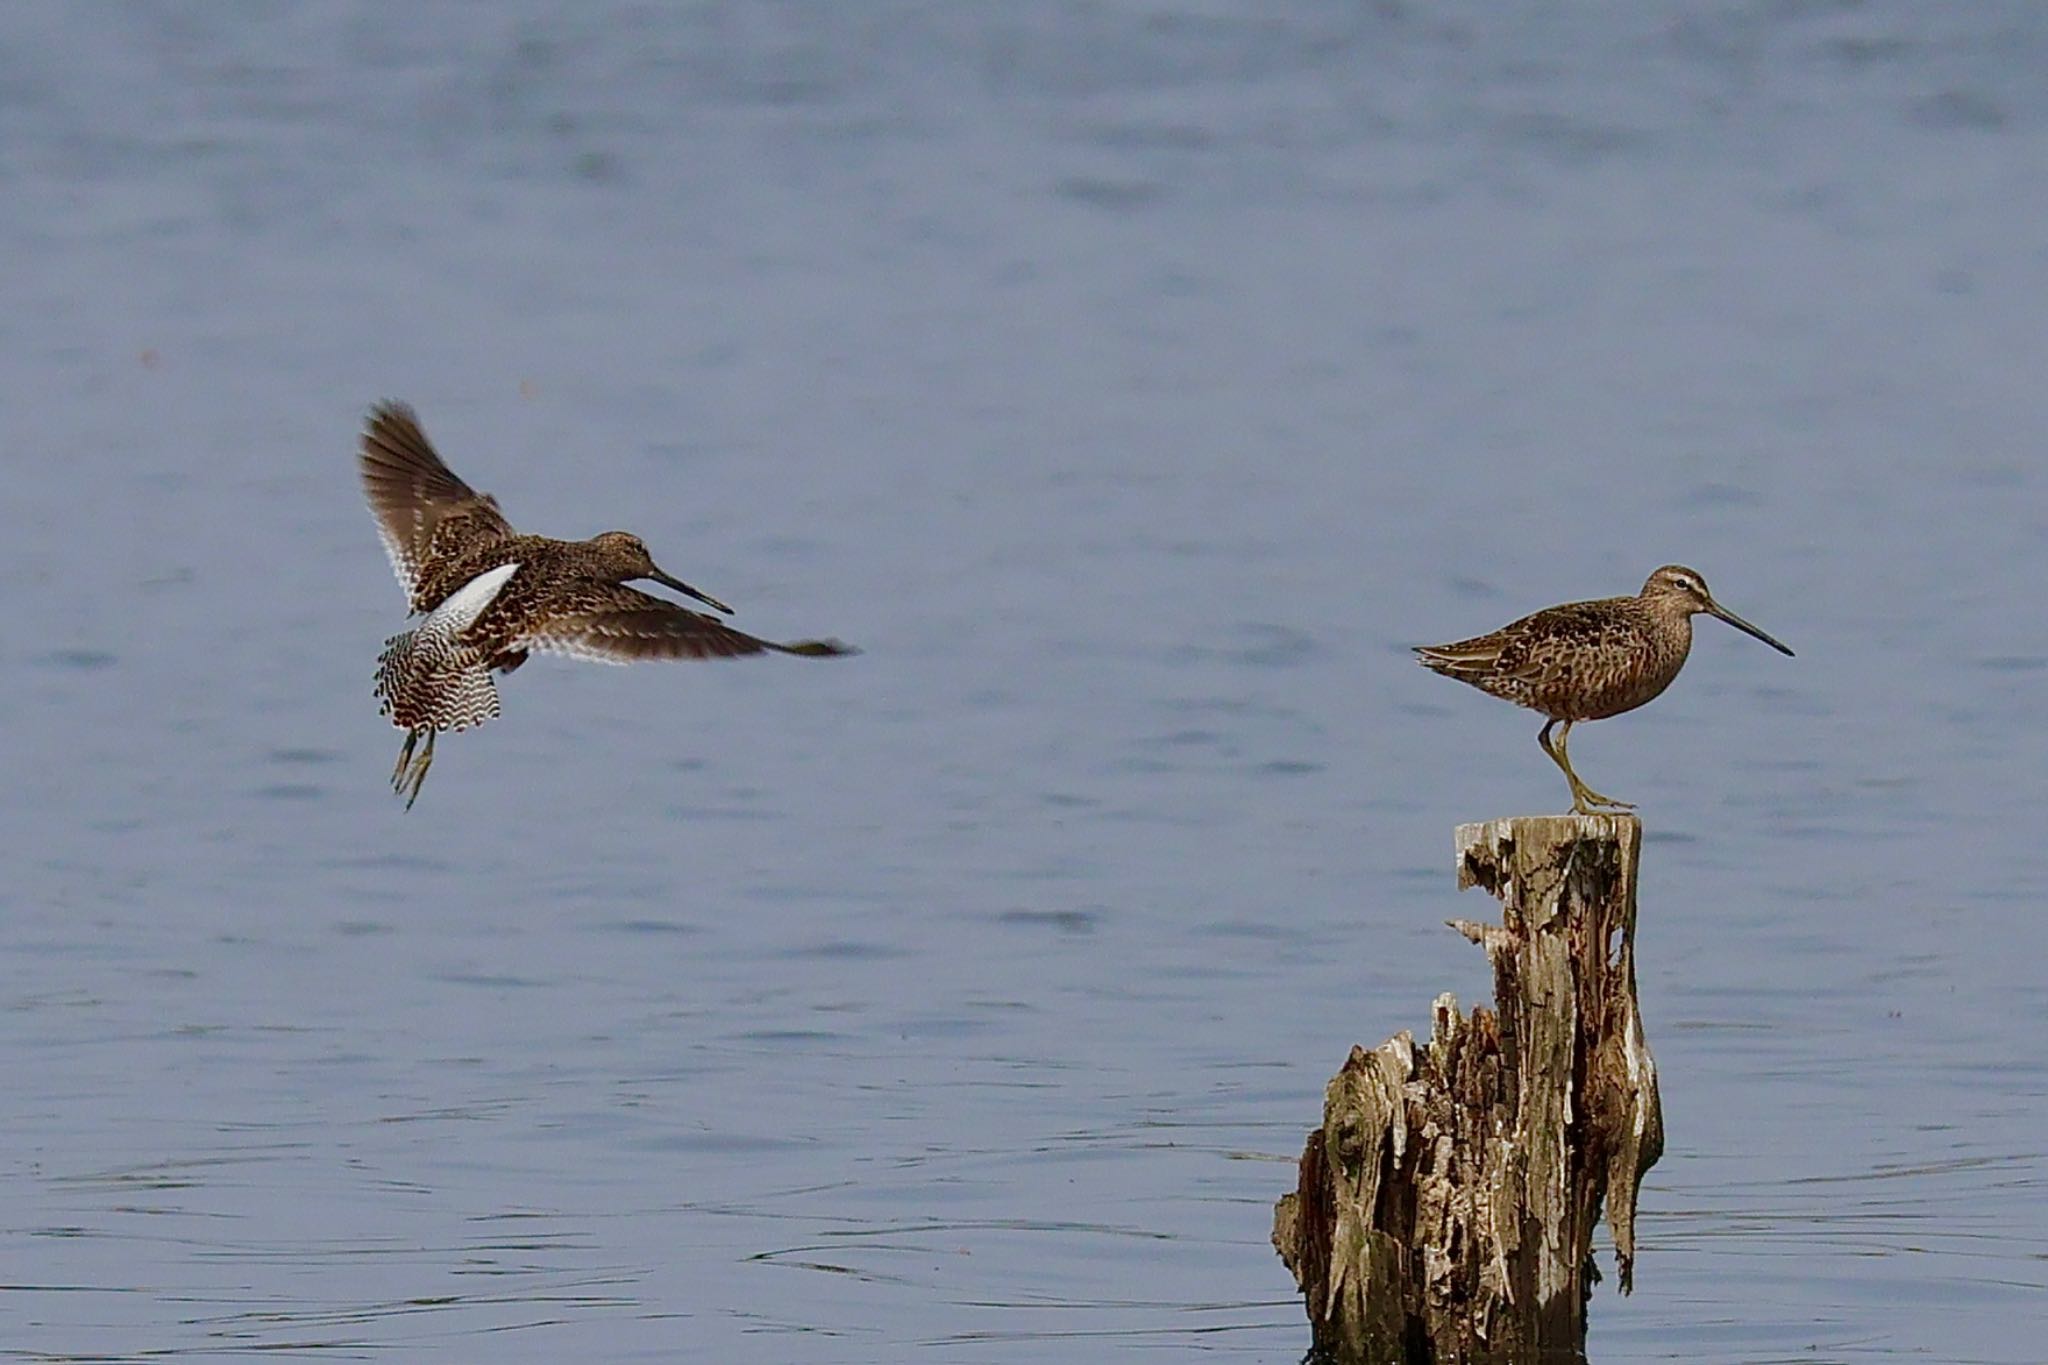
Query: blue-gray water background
1134, 381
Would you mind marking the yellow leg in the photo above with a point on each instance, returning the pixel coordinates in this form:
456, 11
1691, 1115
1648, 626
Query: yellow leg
419, 772
1584, 798
1581, 790
1543, 739
412, 737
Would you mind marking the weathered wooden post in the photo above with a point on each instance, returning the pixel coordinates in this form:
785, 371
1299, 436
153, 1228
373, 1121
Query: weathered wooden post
1446, 1207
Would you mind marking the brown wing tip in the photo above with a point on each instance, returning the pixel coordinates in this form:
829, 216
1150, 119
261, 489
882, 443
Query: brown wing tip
391, 410
392, 434
818, 649
1436, 660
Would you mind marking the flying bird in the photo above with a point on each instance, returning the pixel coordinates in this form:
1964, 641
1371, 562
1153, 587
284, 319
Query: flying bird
490, 596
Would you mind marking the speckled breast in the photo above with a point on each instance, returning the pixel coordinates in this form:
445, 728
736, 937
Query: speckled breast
1606, 684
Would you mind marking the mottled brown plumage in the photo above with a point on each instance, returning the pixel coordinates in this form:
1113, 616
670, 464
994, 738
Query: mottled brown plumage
1589, 660
490, 596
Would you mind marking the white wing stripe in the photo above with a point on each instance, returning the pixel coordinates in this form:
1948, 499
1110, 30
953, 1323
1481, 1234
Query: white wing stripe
570, 647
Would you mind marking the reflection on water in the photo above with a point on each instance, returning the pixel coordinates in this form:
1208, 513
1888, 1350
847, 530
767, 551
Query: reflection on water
1135, 383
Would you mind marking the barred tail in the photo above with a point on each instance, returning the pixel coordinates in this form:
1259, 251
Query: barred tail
427, 679
422, 688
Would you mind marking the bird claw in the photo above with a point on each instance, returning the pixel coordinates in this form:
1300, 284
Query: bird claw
411, 773
412, 737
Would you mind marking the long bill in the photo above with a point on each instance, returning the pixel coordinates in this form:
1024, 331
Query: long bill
1746, 628
686, 590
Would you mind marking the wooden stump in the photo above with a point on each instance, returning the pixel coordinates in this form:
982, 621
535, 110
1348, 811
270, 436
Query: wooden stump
1446, 1207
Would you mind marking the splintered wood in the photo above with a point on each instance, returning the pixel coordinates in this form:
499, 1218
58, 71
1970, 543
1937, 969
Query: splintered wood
1446, 1207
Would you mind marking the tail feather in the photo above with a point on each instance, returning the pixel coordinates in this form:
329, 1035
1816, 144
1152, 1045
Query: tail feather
422, 688
427, 678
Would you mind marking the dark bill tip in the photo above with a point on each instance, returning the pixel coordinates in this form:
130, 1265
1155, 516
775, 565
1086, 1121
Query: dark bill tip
1746, 628
686, 590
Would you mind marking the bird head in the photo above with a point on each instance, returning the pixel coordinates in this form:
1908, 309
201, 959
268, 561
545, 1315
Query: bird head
626, 557
1681, 588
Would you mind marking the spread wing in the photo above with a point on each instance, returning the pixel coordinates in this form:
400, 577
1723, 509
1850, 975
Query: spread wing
424, 513
610, 623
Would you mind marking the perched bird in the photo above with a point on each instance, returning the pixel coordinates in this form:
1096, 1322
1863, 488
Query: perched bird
490, 596
1589, 660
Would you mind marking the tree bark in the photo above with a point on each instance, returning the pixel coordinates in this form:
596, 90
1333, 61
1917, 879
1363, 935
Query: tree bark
1445, 1209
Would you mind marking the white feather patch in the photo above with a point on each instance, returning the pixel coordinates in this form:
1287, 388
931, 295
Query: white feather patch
458, 612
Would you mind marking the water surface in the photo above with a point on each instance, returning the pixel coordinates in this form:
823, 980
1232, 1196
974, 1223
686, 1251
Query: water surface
1134, 382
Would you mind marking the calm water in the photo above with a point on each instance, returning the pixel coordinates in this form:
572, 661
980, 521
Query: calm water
1134, 381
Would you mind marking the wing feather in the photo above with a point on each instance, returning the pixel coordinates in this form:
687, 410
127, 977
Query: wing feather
424, 513
614, 624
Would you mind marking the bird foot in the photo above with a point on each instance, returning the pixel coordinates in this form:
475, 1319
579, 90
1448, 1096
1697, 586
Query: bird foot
1586, 801
412, 772
412, 737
